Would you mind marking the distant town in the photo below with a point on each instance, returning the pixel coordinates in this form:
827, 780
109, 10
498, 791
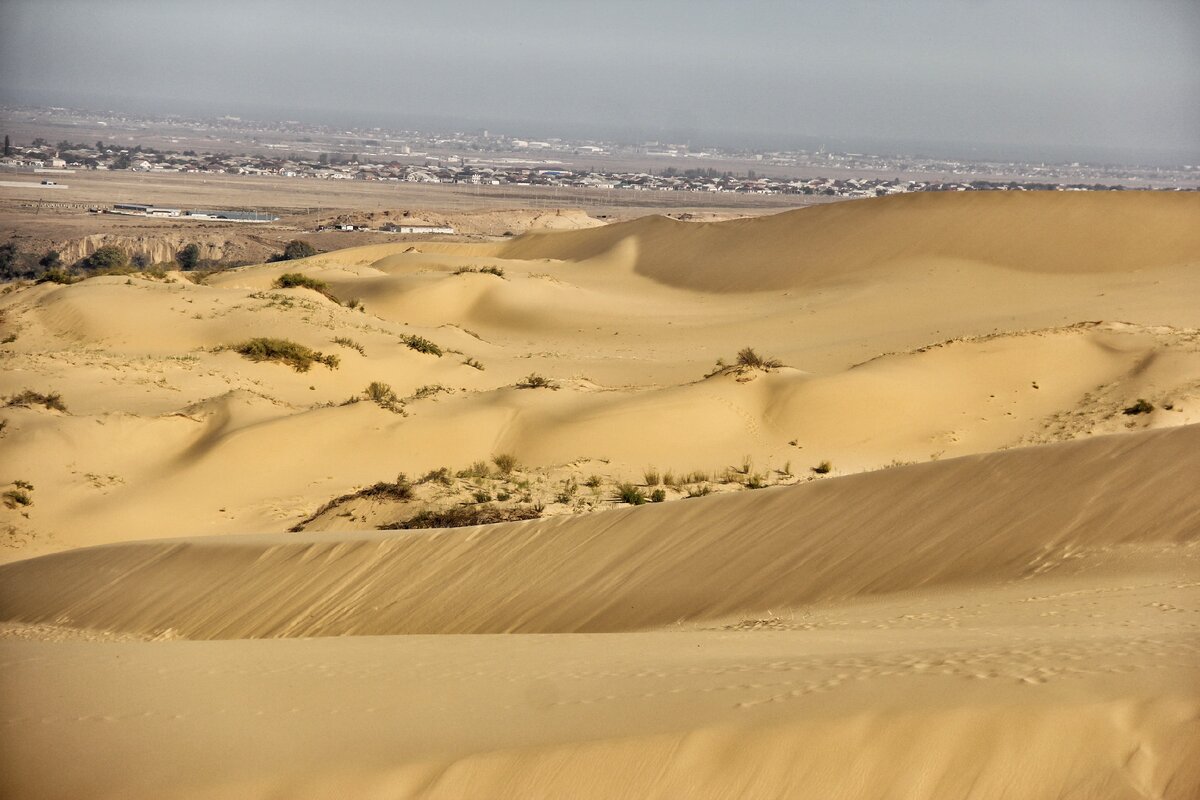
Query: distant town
301, 151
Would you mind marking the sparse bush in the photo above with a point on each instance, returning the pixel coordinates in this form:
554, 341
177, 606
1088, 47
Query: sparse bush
296, 248
651, 476
297, 280
593, 482
57, 275
497, 271
506, 463
474, 362
440, 475
428, 390
297, 356
669, 479
51, 260
23, 485
823, 468
464, 516
422, 345
17, 497
628, 493
535, 381
755, 481
1140, 407
382, 395
482, 496
658, 495
569, 488
478, 469
697, 476
28, 397
353, 345
699, 491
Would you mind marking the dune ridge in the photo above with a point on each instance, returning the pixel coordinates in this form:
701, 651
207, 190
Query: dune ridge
994, 517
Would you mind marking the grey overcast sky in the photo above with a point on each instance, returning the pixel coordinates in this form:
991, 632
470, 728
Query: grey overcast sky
1088, 79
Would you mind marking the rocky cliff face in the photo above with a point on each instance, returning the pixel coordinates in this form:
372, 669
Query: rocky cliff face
160, 248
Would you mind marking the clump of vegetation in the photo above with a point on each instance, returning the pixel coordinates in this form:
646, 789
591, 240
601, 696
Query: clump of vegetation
593, 482
475, 363
188, 256
422, 345
629, 494
823, 468
296, 248
57, 275
1140, 407
298, 280
107, 258
350, 343
478, 469
28, 398
755, 481
696, 476
747, 359
17, 497
429, 390
440, 475
354, 303
536, 381
699, 491
658, 496
497, 271
464, 516
382, 395
569, 488
297, 356
399, 490
23, 485
651, 476
506, 463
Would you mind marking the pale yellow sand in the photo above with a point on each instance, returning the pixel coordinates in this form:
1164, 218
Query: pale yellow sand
1002, 604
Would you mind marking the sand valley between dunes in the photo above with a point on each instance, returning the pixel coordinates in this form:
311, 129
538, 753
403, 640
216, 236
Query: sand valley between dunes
937, 535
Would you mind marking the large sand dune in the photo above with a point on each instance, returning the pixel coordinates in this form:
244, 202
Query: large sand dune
972, 571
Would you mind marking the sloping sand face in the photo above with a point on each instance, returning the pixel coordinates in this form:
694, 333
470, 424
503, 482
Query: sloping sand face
988, 585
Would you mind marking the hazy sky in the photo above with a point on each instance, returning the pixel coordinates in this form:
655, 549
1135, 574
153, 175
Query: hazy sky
1092, 77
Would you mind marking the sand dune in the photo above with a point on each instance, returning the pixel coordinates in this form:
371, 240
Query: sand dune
972, 573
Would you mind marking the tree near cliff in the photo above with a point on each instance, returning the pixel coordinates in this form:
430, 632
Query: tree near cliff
188, 257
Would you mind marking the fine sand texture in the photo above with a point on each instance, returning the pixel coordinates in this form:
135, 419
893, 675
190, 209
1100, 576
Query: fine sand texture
937, 536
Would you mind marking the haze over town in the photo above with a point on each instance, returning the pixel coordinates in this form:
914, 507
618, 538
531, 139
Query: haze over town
1107, 81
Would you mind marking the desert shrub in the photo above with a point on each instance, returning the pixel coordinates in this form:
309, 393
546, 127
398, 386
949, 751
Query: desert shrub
17, 497
354, 303
569, 488
497, 271
669, 479
399, 490
474, 362
478, 469
382, 395
292, 280
57, 275
422, 345
51, 260
28, 397
651, 476
297, 356
593, 482
823, 468
109, 258
440, 475
1140, 407
628, 493
658, 495
188, 257
296, 248
350, 343
699, 491
755, 481
464, 516
506, 463
697, 476
535, 381
428, 390
23, 485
